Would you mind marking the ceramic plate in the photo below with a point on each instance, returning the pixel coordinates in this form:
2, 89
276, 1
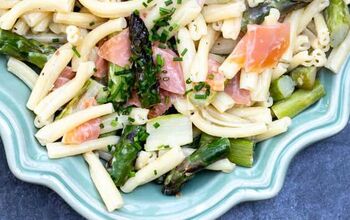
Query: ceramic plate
208, 195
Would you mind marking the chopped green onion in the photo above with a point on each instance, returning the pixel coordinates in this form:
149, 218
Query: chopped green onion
144, 4
74, 48
131, 119
156, 125
179, 2
200, 96
92, 23
184, 52
102, 126
55, 40
168, 2
178, 59
159, 60
188, 81
114, 123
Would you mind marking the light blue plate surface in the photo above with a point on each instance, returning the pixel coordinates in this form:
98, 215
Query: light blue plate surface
207, 196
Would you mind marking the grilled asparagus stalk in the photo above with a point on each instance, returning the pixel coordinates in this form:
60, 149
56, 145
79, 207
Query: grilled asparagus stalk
24, 49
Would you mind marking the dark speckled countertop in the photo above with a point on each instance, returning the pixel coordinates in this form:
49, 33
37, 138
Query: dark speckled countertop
317, 186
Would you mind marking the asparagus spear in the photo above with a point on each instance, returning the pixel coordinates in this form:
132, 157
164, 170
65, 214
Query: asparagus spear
282, 88
201, 158
146, 71
304, 77
299, 101
19, 47
338, 21
126, 152
241, 152
257, 14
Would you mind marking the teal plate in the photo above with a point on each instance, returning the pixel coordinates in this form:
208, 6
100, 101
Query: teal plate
207, 196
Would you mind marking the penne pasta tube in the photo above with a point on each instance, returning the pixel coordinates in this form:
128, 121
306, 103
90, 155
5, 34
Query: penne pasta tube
261, 92
219, 12
144, 158
223, 102
59, 97
154, 13
247, 112
103, 183
20, 27
319, 58
220, 131
155, 169
293, 19
231, 28
74, 35
224, 123
198, 28
43, 25
226, 117
302, 44
302, 58
49, 74
199, 68
8, 20
40, 124
309, 13
217, 25
322, 30
279, 70
82, 20
339, 55
22, 71
58, 28
116, 9
249, 81
59, 150
95, 36
186, 48
7, 4
33, 18
275, 128
57, 129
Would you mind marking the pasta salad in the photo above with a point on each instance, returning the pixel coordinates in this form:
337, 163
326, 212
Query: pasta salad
159, 90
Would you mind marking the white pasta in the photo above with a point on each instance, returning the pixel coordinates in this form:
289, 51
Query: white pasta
339, 55
39, 124
219, 12
154, 13
8, 20
210, 2
59, 150
22, 71
47, 38
95, 36
57, 129
140, 116
182, 105
115, 9
231, 28
104, 183
185, 43
217, 25
220, 131
275, 128
225, 116
57, 28
223, 102
273, 17
310, 11
49, 74
144, 158
43, 25
221, 122
59, 97
199, 68
302, 44
155, 169
261, 92
319, 58
7, 4
113, 122
198, 28
293, 19
20, 27
302, 58
82, 20
322, 30
33, 18
279, 70
74, 35
249, 80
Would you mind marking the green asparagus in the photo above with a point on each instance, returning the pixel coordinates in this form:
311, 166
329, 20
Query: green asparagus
124, 156
304, 77
338, 21
201, 158
19, 47
299, 101
241, 152
282, 88
257, 14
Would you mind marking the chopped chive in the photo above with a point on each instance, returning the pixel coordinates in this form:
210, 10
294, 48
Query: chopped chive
155, 172
74, 48
132, 174
149, 1
179, 2
168, 2
114, 123
199, 86
102, 126
200, 96
137, 12
55, 40
144, 4
188, 91
159, 60
162, 46
131, 119
211, 76
92, 23
95, 70
188, 81
156, 125
177, 59
184, 52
